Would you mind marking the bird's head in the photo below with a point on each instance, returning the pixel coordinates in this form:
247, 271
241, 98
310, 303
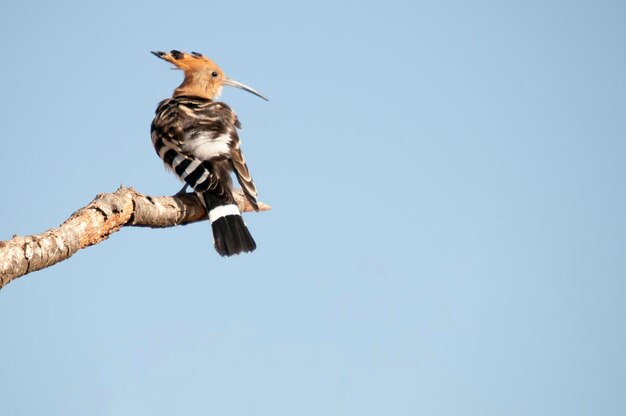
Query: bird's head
203, 78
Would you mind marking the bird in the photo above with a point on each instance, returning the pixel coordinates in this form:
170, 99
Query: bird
196, 138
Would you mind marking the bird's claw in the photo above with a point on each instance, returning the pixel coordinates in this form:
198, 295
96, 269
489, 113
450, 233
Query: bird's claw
183, 191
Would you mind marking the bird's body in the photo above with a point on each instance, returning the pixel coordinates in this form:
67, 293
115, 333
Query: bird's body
196, 137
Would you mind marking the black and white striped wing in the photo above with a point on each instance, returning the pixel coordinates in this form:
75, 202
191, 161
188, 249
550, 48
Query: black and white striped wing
168, 137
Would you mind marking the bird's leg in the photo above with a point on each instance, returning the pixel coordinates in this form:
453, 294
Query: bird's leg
182, 191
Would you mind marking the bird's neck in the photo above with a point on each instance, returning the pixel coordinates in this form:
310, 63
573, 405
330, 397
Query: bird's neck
198, 86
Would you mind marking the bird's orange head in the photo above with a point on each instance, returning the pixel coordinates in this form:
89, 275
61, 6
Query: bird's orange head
203, 78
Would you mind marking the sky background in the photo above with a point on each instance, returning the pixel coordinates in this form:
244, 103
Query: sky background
448, 234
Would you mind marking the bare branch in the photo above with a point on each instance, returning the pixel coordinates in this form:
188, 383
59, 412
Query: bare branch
92, 224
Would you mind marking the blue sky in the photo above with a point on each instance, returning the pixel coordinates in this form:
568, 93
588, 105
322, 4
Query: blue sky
448, 232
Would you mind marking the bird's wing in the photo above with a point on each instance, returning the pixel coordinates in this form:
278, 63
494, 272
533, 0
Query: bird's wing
171, 129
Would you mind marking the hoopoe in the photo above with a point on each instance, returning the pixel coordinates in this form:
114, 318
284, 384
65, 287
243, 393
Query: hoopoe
196, 137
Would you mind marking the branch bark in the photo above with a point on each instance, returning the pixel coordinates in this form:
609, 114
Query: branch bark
94, 223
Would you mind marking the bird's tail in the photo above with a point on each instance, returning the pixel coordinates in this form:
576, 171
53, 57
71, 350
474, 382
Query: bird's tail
230, 234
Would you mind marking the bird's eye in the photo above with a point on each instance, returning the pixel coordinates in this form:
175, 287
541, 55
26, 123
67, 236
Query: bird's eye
214, 74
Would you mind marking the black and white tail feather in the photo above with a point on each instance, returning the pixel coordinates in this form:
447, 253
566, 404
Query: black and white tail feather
230, 234
197, 139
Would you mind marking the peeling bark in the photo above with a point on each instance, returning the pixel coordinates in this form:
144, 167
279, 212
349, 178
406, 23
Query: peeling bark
92, 224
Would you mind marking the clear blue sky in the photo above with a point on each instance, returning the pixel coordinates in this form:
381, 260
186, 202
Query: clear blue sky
448, 234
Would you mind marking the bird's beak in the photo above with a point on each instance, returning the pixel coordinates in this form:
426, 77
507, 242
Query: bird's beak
233, 83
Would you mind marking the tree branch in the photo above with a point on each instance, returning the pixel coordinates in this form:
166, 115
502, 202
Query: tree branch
92, 224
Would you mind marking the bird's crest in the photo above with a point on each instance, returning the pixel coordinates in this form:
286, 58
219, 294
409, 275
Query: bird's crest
186, 61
